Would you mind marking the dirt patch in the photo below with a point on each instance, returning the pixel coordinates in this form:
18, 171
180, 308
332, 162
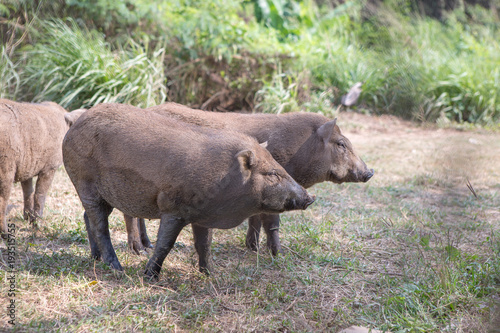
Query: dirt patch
399, 149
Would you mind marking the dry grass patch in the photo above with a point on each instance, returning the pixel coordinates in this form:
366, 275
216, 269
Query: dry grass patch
411, 250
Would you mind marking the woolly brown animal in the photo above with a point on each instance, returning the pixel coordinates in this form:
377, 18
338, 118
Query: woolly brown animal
309, 146
31, 136
157, 167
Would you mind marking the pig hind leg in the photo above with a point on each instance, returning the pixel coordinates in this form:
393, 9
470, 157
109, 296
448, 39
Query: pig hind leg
138, 239
96, 215
42, 187
144, 234
5, 187
95, 253
29, 196
202, 241
170, 227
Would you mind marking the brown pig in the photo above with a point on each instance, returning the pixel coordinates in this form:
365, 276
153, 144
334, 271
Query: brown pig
31, 136
309, 146
157, 167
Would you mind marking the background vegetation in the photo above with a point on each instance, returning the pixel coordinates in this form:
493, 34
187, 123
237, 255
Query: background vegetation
425, 60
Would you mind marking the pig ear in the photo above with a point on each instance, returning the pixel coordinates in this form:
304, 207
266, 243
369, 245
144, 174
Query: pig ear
73, 116
263, 144
326, 130
246, 159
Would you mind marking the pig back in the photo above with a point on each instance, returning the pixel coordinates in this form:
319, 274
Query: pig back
31, 136
284, 133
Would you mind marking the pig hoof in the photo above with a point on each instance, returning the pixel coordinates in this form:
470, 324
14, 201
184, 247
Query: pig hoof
151, 276
137, 248
205, 271
116, 265
275, 249
252, 246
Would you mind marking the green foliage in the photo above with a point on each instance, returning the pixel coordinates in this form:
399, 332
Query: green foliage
197, 28
286, 16
105, 13
9, 78
77, 68
277, 96
415, 68
410, 66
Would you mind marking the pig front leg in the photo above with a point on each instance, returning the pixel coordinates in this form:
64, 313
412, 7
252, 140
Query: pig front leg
29, 196
144, 234
202, 241
42, 187
170, 227
271, 223
5, 186
253, 233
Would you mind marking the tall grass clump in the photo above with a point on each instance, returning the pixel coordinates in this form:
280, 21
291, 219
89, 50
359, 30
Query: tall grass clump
464, 75
9, 77
77, 68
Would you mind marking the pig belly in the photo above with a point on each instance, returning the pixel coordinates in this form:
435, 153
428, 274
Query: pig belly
127, 191
220, 223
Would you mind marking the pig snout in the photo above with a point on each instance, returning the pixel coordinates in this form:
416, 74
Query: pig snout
367, 175
360, 172
300, 200
310, 199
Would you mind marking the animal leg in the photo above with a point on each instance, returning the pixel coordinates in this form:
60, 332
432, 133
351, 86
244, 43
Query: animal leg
202, 241
29, 196
42, 187
253, 233
95, 253
133, 233
96, 215
5, 187
271, 224
144, 235
170, 227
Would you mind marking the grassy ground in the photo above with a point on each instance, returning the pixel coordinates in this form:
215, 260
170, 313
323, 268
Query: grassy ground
413, 250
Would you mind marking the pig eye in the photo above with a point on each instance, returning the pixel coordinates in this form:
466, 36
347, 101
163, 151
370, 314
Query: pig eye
272, 173
341, 144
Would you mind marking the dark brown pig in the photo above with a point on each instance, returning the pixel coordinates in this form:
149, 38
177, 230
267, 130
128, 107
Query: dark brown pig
31, 136
309, 146
157, 167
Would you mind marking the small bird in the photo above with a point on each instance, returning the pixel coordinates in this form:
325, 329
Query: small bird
352, 96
